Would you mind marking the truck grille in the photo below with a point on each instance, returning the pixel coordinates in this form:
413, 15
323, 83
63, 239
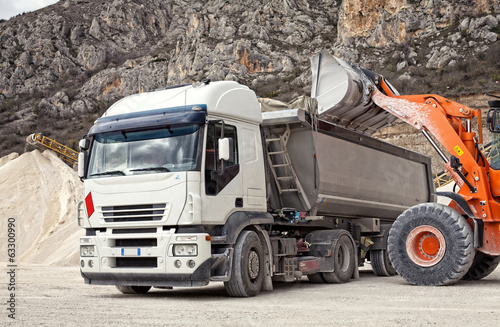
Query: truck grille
143, 212
136, 262
135, 242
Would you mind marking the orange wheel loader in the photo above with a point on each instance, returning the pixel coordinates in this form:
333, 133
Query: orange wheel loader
429, 243
434, 244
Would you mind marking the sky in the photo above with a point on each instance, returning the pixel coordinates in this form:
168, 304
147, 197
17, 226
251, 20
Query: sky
10, 8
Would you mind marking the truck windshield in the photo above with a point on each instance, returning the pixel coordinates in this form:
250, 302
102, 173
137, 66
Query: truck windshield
121, 153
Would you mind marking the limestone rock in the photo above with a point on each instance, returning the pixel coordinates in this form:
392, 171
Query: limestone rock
402, 65
74, 59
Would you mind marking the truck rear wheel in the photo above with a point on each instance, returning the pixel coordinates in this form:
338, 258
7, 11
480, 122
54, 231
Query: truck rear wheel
431, 244
316, 278
482, 266
381, 264
343, 260
248, 269
133, 289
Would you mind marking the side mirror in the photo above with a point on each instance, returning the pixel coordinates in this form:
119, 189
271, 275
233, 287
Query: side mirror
82, 158
493, 120
84, 144
225, 149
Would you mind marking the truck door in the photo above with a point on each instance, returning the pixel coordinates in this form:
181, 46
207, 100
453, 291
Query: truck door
223, 180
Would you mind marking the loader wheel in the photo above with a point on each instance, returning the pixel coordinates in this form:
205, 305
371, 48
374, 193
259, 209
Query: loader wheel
133, 289
431, 244
482, 266
343, 260
248, 269
381, 264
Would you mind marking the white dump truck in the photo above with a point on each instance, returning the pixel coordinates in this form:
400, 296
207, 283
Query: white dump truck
193, 183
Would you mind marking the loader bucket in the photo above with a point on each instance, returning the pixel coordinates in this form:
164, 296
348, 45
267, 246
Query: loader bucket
343, 92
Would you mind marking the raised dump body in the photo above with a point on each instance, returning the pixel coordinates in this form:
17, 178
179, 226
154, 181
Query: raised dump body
339, 172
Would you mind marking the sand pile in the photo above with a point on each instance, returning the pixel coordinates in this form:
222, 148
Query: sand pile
41, 193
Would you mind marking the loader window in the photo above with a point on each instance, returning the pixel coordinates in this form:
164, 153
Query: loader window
495, 151
216, 175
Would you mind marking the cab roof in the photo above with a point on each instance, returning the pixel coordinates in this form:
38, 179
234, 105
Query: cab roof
224, 99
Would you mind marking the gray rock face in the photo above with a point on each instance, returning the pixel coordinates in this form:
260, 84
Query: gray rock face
74, 58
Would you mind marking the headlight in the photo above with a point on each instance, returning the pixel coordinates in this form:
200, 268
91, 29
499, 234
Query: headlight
185, 250
87, 250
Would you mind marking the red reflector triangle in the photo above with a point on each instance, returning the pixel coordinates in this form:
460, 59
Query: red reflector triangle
89, 204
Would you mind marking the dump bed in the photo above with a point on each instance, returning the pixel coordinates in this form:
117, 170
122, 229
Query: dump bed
323, 169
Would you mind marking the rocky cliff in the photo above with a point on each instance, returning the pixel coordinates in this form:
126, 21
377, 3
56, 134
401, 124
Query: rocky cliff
61, 66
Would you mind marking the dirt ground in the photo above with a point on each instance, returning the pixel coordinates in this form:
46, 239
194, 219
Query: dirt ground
49, 290
57, 296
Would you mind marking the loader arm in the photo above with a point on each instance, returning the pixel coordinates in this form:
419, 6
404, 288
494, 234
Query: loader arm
444, 119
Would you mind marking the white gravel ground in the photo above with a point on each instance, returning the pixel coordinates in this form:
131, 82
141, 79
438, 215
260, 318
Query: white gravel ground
41, 193
57, 296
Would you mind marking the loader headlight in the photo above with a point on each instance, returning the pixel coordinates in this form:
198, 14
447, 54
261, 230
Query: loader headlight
87, 250
185, 250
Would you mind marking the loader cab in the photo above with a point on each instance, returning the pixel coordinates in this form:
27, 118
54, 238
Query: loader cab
493, 121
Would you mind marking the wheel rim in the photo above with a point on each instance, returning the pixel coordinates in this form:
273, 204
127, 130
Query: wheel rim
253, 265
425, 246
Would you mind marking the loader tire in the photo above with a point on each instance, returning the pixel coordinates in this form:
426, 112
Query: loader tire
482, 266
431, 244
381, 264
247, 273
133, 289
343, 260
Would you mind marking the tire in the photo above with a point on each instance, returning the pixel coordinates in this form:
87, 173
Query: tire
247, 272
133, 289
343, 260
431, 244
381, 264
482, 266
316, 278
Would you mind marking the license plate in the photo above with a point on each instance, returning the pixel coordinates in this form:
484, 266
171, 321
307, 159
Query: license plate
131, 251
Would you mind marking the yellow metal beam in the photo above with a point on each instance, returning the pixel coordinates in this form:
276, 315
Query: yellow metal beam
42, 142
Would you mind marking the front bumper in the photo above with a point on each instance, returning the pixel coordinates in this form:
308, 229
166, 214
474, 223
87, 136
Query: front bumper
200, 277
136, 258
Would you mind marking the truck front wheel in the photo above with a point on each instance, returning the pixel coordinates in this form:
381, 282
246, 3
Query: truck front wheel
431, 244
248, 269
133, 289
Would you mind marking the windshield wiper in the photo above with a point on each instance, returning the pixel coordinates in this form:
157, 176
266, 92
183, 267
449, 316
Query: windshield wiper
151, 168
111, 172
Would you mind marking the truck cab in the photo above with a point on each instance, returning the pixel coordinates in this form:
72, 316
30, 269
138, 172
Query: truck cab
170, 177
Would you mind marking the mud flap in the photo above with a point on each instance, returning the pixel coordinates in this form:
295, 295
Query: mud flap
355, 272
221, 265
267, 284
